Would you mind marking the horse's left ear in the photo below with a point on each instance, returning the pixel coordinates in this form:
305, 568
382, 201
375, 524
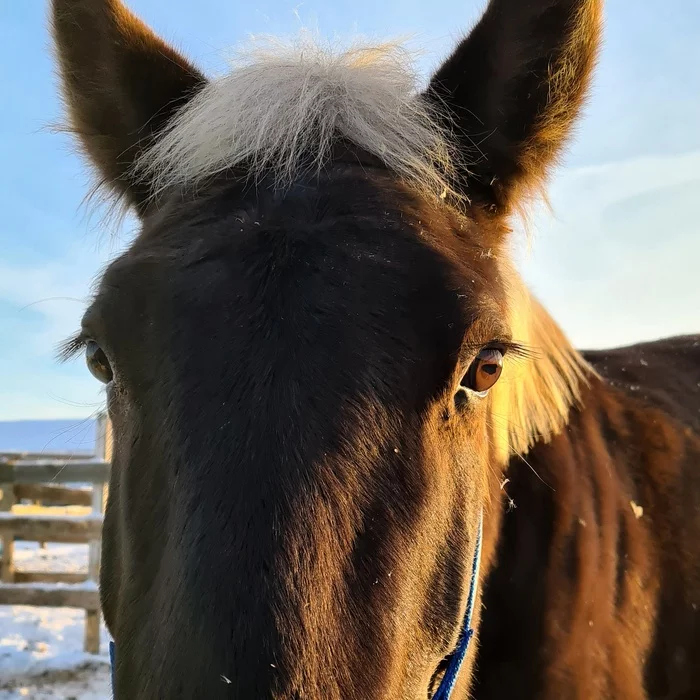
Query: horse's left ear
514, 88
121, 84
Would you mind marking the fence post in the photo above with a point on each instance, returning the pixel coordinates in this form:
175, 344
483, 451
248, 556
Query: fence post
7, 542
103, 450
7, 564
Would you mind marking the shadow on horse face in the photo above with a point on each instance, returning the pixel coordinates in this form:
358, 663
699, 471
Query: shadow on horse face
291, 439
314, 384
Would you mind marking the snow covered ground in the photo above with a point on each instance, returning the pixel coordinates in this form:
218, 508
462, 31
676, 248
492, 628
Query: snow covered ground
41, 649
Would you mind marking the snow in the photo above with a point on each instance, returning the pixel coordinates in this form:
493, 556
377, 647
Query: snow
50, 587
86, 683
41, 649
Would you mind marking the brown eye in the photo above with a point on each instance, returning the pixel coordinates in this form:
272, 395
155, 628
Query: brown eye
484, 371
97, 362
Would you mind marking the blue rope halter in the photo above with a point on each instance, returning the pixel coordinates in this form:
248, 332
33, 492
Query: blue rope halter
444, 691
112, 654
447, 685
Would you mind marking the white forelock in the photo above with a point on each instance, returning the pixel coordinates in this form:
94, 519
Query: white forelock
284, 101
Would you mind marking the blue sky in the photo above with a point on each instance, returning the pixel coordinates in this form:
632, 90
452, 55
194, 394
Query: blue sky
615, 261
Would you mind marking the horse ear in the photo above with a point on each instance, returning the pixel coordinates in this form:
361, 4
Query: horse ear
513, 88
121, 84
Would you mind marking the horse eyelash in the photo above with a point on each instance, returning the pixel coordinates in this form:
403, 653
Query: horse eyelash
518, 350
72, 347
510, 348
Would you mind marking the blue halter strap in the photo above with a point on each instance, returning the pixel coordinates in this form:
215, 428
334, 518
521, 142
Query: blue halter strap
447, 685
111, 663
444, 692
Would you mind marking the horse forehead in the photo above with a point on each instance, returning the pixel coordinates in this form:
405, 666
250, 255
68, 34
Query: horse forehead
346, 221
351, 244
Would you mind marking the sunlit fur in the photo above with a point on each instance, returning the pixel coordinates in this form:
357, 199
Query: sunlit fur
538, 390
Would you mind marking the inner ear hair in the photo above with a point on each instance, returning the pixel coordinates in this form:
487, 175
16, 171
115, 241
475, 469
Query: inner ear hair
121, 84
514, 88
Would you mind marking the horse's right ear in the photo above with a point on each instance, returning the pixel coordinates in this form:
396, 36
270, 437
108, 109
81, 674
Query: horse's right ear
515, 87
121, 84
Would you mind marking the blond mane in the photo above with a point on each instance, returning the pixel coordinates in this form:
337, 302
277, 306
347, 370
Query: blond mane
533, 399
283, 106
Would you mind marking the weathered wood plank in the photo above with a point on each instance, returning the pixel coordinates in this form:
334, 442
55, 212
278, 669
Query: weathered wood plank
46, 528
51, 493
50, 577
63, 456
7, 566
91, 640
52, 595
7, 543
103, 450
50, 511
7, 497
57, 471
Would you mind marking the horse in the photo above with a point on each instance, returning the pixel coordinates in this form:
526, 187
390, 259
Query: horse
353, 456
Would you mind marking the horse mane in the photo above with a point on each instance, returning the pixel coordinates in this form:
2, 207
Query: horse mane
284, 105
533, 399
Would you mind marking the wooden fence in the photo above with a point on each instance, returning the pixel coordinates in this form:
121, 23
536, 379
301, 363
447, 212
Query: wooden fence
41, 479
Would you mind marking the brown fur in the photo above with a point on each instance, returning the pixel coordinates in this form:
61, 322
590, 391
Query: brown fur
620, 569
300, 464
509, 160
119, 90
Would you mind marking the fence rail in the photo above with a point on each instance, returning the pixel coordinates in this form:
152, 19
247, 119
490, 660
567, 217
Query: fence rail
14, 456
51, 493
79, 529
40, 471
52, 595
41, 478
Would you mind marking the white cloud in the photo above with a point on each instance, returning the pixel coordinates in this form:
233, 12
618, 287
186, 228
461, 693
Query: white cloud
54, 403
57, 291
48, 299
617, 262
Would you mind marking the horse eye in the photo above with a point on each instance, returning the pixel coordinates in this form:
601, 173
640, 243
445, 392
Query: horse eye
484, 371
97, 362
